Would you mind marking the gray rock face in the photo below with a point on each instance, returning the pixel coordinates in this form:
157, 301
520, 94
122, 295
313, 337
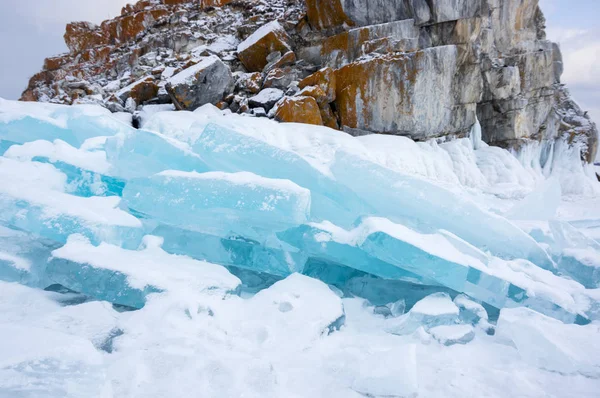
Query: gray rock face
203, 83
266, 99
415, 94
421, 68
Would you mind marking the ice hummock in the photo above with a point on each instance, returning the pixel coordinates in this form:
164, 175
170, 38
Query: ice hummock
412, 244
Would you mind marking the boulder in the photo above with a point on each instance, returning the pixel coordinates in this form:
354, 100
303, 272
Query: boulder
413, 94
325, 79
298, 110
203, 83
269, 38
266, 98
250, 82
316, 92
287, 59
141, 91
280, 78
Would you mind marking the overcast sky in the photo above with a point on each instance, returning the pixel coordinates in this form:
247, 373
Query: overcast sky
31, 30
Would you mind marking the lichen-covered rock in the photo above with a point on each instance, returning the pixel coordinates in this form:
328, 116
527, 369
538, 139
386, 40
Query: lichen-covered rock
80, 36
298, 110
325, 79
347, 47
204, 83
267, 39
250, 82
408, 94
326, 14
141, 91
316, 92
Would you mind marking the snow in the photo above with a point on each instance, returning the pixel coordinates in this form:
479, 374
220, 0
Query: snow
435, 305
453, 334
222, 227
60, 151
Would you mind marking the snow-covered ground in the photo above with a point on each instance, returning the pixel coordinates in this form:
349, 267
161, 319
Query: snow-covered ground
219, 255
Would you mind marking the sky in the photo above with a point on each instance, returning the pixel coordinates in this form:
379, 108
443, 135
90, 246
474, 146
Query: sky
31, 30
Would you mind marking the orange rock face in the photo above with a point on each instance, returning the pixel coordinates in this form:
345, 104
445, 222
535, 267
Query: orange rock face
325, 79
299, 110
54, 63
144, 91
267, 39
80, 36
325, 14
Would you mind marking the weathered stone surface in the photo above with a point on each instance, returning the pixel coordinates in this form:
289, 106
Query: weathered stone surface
268, 38
266, 98
250, 82
326, 14
408, 94
316, 92
287, 59
328, 117
280, 78
54, 63
325, 79
347, 47
430, 12
423, 68
80, 36
298, 110
141, 91
203, 83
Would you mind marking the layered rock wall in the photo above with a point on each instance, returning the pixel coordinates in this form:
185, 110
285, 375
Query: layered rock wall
421, 68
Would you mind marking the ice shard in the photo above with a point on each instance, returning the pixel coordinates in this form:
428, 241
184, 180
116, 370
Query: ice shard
140, 153
127, 277
426, 207
23, 257
234, 251
228, 150
32, 198
88, 172
220, 204
393, 251
23, 123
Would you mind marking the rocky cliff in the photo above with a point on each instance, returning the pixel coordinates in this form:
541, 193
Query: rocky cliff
421, 68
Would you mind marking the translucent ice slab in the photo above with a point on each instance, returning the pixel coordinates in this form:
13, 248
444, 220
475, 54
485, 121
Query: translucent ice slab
88, 172
221, 204
25, 122
126, 277
549, 344
393, 251
23, 257
230, 151
32, 199
235, 251
140, 153
426, 207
